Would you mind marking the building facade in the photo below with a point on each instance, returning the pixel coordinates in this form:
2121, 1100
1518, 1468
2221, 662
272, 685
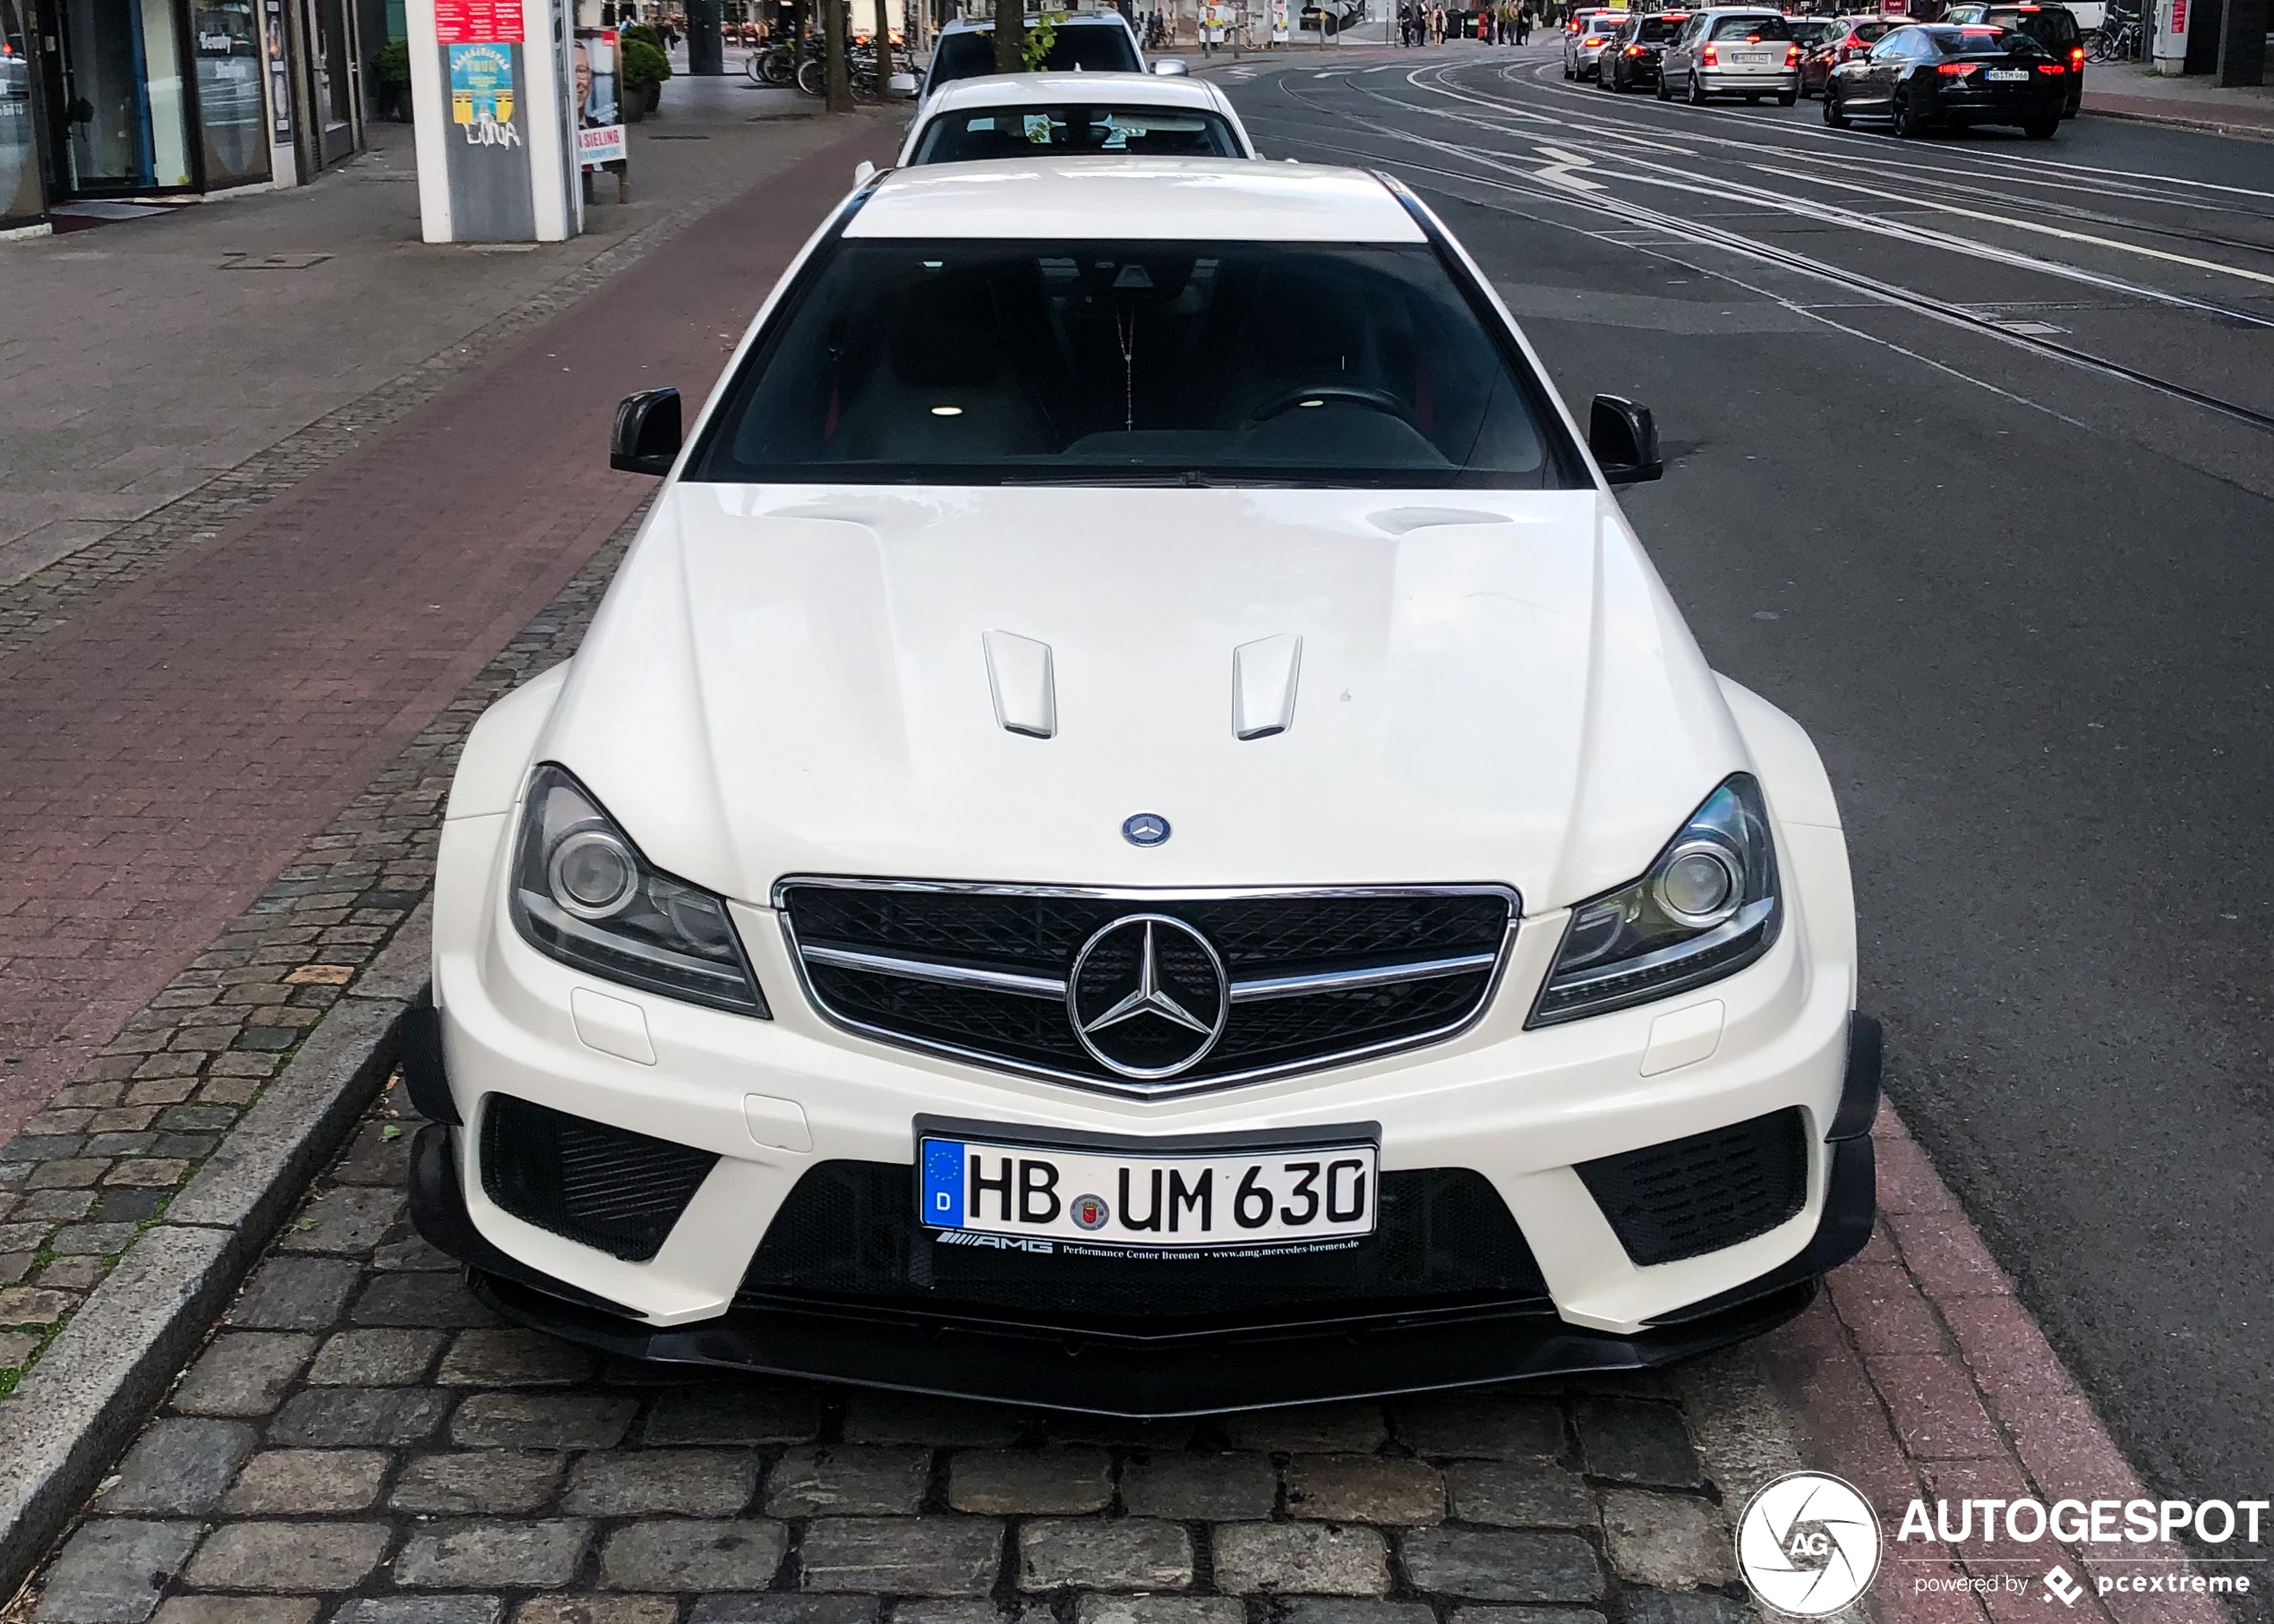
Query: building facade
111, 100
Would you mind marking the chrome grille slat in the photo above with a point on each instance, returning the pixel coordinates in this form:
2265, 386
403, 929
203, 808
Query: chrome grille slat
1317, 977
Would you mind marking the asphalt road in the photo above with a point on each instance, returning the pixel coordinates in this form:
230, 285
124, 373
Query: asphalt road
1971, 453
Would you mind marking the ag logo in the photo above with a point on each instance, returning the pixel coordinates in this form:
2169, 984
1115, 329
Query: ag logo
1807, 1544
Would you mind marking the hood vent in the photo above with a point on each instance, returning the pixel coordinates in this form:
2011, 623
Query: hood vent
1018, 675
1264, 674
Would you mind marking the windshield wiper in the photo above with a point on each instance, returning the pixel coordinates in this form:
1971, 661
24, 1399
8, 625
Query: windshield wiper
1192, 477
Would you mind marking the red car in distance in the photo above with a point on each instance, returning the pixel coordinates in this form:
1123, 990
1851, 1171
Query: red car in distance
1846, 39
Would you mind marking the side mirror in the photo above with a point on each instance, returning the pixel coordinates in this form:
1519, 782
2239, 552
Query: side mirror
1624, 438
863, 172
1171, 67
647, 440
901, 85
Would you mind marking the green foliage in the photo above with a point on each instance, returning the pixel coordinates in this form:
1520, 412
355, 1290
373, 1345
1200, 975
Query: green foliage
647, 31
643, 67
395, 65
1035, 49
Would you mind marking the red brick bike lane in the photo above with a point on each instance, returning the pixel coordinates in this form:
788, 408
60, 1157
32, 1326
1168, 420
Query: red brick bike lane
171, 749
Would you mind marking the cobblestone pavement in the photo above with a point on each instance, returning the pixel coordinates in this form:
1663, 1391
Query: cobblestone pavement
101, 1162
364, 1443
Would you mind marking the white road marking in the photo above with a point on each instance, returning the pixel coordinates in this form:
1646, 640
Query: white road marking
2050, 231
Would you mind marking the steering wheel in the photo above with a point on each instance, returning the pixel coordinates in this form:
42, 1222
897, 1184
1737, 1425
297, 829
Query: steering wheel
1340, 394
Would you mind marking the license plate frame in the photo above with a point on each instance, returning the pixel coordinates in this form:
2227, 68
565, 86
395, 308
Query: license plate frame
2006, 76
1210, 1205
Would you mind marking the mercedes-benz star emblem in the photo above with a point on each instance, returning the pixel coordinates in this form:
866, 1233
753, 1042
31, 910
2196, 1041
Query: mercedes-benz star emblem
1148, 995
1145, 829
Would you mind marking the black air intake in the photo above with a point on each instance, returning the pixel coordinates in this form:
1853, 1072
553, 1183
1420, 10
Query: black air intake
1699, 1194
849, 1231
606, 1187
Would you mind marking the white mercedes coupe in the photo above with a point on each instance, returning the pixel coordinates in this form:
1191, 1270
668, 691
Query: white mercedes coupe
1136, 833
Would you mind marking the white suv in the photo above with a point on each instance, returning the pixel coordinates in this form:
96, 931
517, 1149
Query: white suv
1137, 833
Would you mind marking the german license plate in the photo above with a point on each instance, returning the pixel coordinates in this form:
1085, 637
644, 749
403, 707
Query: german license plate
1750, 59
1235, 1198
2007, 75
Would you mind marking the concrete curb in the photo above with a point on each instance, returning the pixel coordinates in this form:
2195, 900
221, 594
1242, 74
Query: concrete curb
2201, 126
88, 1395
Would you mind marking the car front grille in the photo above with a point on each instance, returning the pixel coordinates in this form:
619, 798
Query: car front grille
606, 1187
1711, 1189
1310, 978
848, 1232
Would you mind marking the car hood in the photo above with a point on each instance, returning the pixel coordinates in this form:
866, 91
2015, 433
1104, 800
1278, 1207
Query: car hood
1492, 686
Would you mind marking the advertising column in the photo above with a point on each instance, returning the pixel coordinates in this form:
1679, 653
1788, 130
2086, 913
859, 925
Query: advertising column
2171, 36
493, 97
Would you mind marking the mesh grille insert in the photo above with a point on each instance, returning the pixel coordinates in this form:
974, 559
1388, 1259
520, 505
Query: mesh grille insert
1699, 1194
1259, 939
606, 1187
849, 1231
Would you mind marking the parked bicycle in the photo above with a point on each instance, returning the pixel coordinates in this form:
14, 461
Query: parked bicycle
860, 69
2122, 39
773, 67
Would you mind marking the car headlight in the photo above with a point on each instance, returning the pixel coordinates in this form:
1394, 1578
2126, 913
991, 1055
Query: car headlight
1706, 908
583, 894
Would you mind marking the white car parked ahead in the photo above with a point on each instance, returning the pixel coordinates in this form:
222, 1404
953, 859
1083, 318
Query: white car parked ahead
1137, 833
1022, 115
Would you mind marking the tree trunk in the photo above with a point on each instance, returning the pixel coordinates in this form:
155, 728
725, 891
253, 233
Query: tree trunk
833, 48
885, 43
1010, 36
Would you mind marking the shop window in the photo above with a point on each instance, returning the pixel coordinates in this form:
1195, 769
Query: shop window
225, 44
125, 107
18, 146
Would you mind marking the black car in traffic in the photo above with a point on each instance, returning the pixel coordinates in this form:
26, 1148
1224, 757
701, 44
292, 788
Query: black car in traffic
2052, 26
1630, 61
1941, 77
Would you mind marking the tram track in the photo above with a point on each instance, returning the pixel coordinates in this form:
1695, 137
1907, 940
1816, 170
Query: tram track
1512, 177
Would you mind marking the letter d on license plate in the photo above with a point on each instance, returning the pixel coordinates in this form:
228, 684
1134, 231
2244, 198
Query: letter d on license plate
1235, 1198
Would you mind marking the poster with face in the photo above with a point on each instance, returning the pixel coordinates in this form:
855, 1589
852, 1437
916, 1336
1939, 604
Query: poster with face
599, 119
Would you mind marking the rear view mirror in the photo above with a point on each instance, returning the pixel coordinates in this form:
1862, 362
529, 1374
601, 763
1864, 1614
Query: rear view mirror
1624, 438
1171, 67
647, 440
900, 85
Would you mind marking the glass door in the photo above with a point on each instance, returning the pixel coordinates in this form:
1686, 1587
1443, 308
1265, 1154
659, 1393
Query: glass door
331, 77
122, 105
224, 39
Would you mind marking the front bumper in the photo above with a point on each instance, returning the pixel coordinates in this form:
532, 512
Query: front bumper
1187, 1373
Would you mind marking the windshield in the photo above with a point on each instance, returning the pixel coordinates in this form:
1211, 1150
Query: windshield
1656, 31
1090, 48
984, 132
1752, 27
1981, 42
982, 362
2051, 29
1869, 32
